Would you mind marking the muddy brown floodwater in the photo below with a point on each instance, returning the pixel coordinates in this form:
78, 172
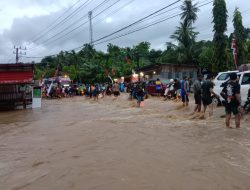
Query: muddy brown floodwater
78, 144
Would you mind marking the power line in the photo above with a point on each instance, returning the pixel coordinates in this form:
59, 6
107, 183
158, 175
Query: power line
141, 20
138, 21
69, 32
71, 15
136, 30
94, 23
127, 26
146, 26
54, 25
115, 11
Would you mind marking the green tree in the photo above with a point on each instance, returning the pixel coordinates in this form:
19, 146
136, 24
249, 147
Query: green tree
219, 40
170, 54
206, 58
184, 35
241, 37
154, 56
189, 12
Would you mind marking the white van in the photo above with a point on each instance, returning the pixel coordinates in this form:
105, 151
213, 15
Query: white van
244, 81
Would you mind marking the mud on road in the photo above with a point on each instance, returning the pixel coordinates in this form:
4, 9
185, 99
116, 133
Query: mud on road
78, 144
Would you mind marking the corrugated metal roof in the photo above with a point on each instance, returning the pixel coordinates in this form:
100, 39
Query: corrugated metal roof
16, 73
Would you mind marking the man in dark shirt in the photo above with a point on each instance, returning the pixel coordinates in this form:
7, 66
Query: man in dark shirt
233, 100
207, 91
139, 94
197, 93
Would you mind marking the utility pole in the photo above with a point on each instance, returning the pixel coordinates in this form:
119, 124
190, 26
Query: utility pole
137, 57
90, 28
19, 53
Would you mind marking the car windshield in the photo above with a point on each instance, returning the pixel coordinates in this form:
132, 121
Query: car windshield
223, 76
246, 79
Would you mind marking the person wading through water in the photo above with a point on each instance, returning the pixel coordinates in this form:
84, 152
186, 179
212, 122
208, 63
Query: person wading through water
207, 91
231, 93
140, 95
197, 93
184, 91
158, 87
116, 89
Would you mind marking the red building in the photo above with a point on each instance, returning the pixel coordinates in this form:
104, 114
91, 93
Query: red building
15, 85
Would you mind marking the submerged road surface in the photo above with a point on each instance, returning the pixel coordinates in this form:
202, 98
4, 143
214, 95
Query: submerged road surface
78, 144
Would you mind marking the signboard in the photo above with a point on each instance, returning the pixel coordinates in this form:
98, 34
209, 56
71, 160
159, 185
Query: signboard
37, 92
37, 97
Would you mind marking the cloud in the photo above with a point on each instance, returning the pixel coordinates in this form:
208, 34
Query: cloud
31, 18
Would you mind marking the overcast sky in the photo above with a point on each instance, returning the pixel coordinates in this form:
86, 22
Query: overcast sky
33, 24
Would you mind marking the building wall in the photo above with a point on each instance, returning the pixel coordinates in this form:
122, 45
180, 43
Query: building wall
178, 72
170, 71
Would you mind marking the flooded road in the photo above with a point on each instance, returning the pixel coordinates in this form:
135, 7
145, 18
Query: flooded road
78, 144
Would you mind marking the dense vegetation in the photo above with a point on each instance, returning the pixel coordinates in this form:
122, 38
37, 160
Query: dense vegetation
90, 65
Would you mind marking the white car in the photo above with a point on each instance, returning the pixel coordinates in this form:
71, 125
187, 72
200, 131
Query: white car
244, 85
222, 77
244, 81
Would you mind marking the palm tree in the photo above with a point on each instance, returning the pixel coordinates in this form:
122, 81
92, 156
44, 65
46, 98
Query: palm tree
184, 35
189, 11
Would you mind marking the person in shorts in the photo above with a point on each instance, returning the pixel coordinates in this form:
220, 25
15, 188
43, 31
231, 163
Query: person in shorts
207, 91
184, 91
197, 93
139, 95
158, 87
231, 92
116, 89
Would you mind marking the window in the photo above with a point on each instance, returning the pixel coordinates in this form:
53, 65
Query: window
169, 75
246, 79
177, 75
191, 74
164, 75
150, 82
223, 76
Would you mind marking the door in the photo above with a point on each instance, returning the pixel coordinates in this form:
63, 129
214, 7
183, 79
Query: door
245, 85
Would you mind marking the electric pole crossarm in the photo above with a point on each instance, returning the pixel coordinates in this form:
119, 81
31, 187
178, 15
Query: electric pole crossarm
17, 52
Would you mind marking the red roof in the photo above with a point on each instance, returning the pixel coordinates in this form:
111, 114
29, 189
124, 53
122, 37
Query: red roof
16, 73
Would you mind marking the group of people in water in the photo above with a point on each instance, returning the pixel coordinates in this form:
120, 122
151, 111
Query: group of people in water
203, 95
176, 90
